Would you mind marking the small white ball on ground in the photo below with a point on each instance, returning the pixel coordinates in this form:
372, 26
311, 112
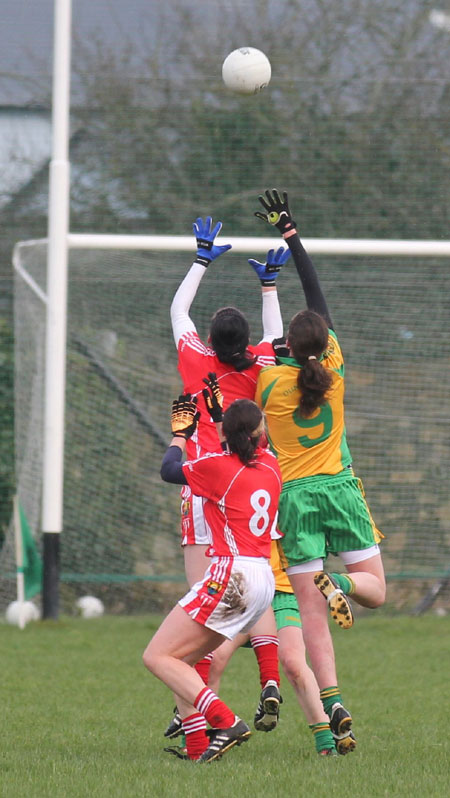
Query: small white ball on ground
246, 70
90, 607
17, 610
441, 612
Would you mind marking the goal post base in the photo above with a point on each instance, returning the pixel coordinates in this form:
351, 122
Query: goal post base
50, 586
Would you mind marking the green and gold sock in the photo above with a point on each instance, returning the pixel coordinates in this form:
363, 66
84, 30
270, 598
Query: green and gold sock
323, 739
345, 582
330, 696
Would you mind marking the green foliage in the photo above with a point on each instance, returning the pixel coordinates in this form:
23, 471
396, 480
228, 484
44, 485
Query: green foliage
96, 726
359, 141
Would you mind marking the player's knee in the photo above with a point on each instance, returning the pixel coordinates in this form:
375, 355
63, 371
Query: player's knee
149, 660
381, 594
377, 596
293, 668
218, 664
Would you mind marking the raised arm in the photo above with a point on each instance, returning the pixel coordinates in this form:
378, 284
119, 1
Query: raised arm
214, 404
277, 213
184, 421
207, 251
267, 273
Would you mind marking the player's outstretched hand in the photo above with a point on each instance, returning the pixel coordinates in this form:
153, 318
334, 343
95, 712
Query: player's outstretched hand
280, 347
185, 416
213, 397
205, 234
268, 271
277, 211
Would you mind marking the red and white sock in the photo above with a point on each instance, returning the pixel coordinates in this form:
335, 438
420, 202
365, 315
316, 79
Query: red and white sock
202, 667
197, 741
266, 652
218, 715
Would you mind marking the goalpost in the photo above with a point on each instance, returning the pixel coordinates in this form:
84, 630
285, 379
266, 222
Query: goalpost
120, 522
320, 246
58, 225
45, 278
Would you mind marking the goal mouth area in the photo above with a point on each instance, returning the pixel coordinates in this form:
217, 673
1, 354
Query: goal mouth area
121, 376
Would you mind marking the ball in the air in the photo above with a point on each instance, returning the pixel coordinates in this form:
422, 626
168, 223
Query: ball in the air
25, 611
90, 607
246, 70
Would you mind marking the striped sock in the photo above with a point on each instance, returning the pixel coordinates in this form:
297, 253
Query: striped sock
330, 696
218, 715
197, 741
345, 582
323, 739
266, 652
202, 667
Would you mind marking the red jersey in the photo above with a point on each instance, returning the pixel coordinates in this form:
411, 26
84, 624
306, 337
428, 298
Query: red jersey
195, 360
242, 501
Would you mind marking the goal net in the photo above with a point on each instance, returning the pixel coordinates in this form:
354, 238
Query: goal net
121, 522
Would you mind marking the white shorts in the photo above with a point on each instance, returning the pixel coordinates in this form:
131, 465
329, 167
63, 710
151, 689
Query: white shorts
232, 596
348, 558
193, 526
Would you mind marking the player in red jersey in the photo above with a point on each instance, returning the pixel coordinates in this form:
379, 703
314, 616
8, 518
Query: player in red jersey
228, 353
236, 364
241, 488
286, 623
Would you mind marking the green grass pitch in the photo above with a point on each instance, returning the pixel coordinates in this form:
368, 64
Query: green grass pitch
82, 717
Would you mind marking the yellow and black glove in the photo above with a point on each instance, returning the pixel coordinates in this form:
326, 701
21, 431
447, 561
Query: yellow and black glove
213, 397
185, 416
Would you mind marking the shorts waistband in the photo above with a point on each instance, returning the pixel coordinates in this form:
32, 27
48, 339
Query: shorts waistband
240, 558
319, 479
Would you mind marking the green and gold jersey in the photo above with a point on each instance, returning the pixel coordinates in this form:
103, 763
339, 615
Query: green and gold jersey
282, 583
305, 447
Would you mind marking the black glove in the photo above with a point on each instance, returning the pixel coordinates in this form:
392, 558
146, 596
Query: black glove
280, 347
185, 416
277, 211
213, 397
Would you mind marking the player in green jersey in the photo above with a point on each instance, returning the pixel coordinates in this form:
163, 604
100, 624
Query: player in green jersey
286, 622
322, 505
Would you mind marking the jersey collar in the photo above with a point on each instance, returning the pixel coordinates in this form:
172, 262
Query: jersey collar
291, 361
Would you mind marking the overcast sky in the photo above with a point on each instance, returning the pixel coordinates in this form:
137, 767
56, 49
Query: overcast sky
26, 31
26, 34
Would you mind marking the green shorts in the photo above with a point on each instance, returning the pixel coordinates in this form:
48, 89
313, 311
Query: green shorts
324, 515
286, 610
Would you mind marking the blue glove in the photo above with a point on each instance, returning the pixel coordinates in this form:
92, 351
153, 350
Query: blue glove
268, 271
206, 249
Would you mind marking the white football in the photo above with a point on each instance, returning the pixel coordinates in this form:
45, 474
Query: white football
90, 607
246, 70
21, 611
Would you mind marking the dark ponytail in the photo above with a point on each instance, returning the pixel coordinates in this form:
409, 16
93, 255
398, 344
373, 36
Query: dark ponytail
230, 335
242, 426
308, 339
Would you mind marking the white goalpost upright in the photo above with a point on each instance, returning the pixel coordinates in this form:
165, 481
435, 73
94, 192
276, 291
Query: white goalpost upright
55, 358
